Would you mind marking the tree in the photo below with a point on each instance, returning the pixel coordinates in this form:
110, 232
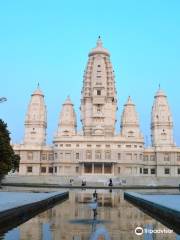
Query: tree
9, 161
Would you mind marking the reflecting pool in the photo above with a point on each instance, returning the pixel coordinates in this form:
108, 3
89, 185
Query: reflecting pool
80, 218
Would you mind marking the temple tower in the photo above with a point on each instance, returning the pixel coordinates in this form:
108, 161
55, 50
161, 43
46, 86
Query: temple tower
161, 121
36, 120
98, 103
67, 121
129, 121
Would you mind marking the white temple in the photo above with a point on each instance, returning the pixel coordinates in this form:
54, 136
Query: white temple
98, 150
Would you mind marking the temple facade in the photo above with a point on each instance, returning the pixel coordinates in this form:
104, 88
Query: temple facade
98, 150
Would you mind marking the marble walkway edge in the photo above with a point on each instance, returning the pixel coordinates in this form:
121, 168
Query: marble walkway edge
164, 208
20, 207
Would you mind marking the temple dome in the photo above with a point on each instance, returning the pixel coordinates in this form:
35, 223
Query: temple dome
99, 103
36, 119
161, 121
67, 121
129, 121
99, 49
160, 93
68, 101
129, 115
37, 91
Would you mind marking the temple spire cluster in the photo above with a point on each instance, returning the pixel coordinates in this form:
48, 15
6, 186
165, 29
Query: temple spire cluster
97, 149
98, 108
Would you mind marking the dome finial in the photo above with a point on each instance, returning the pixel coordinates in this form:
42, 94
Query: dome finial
68, 100
99, 49
129, 101
38, 90
99, 42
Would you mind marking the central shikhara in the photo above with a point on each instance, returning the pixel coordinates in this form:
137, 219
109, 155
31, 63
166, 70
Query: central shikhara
97, 150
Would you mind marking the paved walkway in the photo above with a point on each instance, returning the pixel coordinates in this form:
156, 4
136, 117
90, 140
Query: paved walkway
18, 207
171, 201
163, 207
9, 200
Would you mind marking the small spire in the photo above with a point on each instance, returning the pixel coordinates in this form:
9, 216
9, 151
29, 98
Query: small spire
99, 48
99, 42
160, 92
38, 90
129, 99
68, 100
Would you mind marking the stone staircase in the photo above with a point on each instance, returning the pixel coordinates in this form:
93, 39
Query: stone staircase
93, 180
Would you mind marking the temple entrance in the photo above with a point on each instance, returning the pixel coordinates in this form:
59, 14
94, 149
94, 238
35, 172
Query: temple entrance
98, 168
107, 168
87, 168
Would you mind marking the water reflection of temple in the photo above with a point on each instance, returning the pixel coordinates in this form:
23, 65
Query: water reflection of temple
123, 217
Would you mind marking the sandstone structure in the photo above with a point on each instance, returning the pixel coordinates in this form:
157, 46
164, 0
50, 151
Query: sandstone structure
98, 150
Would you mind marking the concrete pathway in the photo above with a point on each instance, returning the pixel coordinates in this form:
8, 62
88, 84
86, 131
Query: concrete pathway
18, 207
9, 200
163, 207
171, 201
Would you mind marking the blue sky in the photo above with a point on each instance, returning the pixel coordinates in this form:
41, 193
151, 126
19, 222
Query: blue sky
48, 42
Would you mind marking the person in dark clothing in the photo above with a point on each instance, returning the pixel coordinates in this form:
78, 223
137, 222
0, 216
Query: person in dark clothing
110, 182
95, 195
83, 183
